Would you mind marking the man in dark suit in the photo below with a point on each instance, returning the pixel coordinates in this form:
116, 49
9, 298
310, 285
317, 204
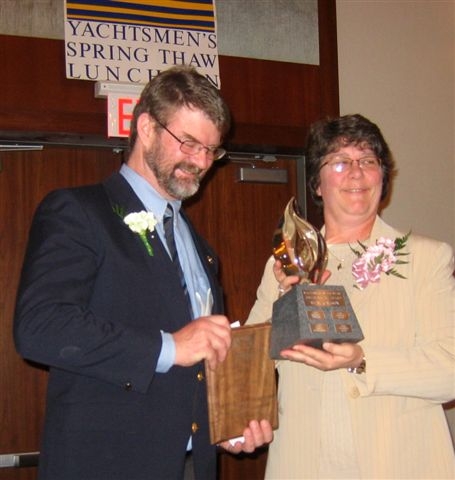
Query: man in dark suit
119, 297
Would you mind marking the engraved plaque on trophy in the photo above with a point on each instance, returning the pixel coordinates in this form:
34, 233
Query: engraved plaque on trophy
310, 313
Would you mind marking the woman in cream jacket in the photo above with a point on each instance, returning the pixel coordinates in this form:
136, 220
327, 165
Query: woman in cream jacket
386, 422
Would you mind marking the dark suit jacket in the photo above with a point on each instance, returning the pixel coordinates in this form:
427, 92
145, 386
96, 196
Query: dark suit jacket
91, 305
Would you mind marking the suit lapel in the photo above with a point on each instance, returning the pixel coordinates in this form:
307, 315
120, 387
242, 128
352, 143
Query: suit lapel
122, 196
210, 264
380, 229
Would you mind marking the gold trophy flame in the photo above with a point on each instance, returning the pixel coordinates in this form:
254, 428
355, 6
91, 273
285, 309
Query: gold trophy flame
299, 246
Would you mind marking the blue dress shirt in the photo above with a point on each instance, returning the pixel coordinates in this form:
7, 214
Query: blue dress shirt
195, 277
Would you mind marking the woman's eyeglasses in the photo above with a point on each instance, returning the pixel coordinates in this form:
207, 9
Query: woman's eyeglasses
340, 164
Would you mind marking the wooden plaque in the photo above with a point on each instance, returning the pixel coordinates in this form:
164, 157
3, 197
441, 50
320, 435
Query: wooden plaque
243, 387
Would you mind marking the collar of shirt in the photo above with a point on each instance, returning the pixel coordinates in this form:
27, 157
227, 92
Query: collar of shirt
151, 199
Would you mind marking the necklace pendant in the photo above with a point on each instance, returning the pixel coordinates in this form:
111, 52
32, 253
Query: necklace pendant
340, 266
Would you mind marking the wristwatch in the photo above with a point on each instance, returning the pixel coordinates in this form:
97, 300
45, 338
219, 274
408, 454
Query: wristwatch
361, 368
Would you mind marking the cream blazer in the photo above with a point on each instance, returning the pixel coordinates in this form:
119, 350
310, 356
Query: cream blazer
398, 424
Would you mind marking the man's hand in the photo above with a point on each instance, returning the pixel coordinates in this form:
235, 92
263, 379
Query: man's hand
254, 436
207, 338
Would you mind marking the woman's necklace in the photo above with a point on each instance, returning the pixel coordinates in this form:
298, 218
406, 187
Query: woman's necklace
343, 252
345, 255
341, 260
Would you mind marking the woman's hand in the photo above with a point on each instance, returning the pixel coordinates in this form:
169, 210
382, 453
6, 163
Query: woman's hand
285, 282
332, 356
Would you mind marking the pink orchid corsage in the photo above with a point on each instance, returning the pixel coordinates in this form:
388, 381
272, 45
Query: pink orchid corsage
377, 259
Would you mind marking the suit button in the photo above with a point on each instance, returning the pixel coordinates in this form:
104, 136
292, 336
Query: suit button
200, 376
194, 427
128, 386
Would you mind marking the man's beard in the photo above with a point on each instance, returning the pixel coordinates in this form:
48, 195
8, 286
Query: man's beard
164, 172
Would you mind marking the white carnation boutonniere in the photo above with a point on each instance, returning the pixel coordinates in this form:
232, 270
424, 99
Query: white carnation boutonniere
382, 257
140, 223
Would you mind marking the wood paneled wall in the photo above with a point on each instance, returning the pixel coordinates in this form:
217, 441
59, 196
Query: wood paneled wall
273, 104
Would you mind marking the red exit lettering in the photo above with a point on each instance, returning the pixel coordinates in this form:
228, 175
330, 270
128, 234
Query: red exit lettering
125, 114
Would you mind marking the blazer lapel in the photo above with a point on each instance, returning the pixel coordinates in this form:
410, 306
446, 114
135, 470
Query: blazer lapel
380, 229
121, 194
210, 264
122, 197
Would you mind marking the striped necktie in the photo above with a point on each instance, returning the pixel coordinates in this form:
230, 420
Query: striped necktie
168, 224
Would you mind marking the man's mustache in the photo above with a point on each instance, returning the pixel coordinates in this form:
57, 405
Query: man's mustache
190, 168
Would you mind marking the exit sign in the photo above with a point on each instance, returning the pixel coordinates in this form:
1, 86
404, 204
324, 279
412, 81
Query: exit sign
119, 113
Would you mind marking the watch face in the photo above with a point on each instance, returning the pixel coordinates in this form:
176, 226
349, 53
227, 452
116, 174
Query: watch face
360, 369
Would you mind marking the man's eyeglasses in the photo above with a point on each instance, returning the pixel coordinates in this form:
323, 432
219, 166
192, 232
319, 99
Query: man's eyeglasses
340, 164
193, 147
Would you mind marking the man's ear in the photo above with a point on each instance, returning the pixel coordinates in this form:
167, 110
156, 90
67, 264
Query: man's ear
146, 128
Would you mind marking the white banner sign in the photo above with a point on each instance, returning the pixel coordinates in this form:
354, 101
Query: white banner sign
127, 41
